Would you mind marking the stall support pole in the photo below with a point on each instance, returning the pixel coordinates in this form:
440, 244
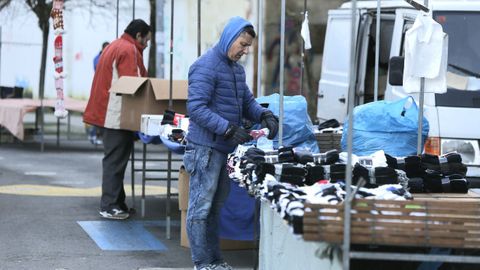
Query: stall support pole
420, 112
0, 55
302, 70
144, 167
256, 218
420, 116
170, 106
133, 9
260, 49
132, 175
118, 9
348, 172
282, 70
199, 29
377, 52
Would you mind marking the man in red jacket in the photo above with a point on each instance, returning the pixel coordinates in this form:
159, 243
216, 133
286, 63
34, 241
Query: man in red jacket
123, 57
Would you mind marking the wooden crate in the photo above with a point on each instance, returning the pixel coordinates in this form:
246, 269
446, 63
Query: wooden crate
426, 222
328, 141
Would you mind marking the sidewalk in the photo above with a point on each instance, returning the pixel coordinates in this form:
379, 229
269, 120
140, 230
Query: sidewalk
49, 213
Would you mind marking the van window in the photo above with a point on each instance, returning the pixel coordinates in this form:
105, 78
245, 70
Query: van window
463, 58
464, 39
386, 31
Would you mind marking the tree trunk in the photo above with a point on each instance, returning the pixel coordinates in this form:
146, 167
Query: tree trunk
152, 56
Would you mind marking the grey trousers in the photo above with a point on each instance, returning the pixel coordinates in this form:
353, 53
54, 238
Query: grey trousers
117, 145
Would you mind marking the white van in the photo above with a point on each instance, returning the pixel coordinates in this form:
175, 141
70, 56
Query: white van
454, 117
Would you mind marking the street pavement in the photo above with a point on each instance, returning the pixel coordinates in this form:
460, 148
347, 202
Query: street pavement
49, 219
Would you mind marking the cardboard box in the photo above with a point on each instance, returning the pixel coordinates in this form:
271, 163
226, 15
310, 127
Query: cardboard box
183, 191
147, 96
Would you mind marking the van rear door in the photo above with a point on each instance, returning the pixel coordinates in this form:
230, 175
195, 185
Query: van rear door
335, 78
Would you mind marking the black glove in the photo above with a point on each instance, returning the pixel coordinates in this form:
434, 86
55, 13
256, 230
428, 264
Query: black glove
237, 135
270, 121
168, 117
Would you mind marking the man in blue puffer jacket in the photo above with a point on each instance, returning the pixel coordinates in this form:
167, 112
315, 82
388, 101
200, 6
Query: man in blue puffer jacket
218, 99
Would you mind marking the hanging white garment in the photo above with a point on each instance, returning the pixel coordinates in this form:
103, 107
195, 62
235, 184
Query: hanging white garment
426, 54
305, 32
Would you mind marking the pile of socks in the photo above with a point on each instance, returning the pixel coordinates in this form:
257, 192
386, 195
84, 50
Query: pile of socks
431, 173
289, 200
444, 173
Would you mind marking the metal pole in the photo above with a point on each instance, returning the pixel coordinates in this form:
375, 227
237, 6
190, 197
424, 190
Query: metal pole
420, 112
169, 186
302, 70
260, 49
377, 52
420, 116
348, 172
133, 9
171, 56
0, 55
170, 105
282, 69
199, 29
116, 32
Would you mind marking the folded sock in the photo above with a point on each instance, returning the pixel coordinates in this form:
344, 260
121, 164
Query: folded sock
314, 174
360, 171
413, 166
455, 183
432, 181
456, 168
255, 155
302, 156
337, 172
459, 185
331, 123
329, 157
285, 154
415, 185
391, 161
262, 169
297, 222
385, 175
453, 157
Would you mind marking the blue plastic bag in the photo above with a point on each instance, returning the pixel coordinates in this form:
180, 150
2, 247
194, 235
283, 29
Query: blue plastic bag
297, 126
386, 125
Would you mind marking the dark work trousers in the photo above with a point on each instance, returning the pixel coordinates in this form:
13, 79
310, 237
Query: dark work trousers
117, 145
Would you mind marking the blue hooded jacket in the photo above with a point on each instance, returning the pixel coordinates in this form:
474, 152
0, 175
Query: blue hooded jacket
218, 93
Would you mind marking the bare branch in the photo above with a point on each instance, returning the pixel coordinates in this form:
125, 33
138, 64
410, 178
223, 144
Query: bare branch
4, 3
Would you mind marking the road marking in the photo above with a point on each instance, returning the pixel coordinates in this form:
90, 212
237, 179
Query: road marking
56, 191
41, 173
124, 235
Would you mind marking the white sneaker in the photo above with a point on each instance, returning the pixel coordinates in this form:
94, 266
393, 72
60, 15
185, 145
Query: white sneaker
114, 214
207, 267
223, 266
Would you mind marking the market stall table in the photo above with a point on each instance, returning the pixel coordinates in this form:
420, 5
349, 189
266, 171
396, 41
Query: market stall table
12, 112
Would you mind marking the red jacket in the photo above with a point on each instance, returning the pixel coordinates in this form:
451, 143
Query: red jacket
123, 57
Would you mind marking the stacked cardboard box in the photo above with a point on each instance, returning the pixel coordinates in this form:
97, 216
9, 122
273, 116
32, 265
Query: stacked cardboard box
147, 96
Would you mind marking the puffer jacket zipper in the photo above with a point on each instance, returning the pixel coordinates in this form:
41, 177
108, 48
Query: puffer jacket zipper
236, 93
